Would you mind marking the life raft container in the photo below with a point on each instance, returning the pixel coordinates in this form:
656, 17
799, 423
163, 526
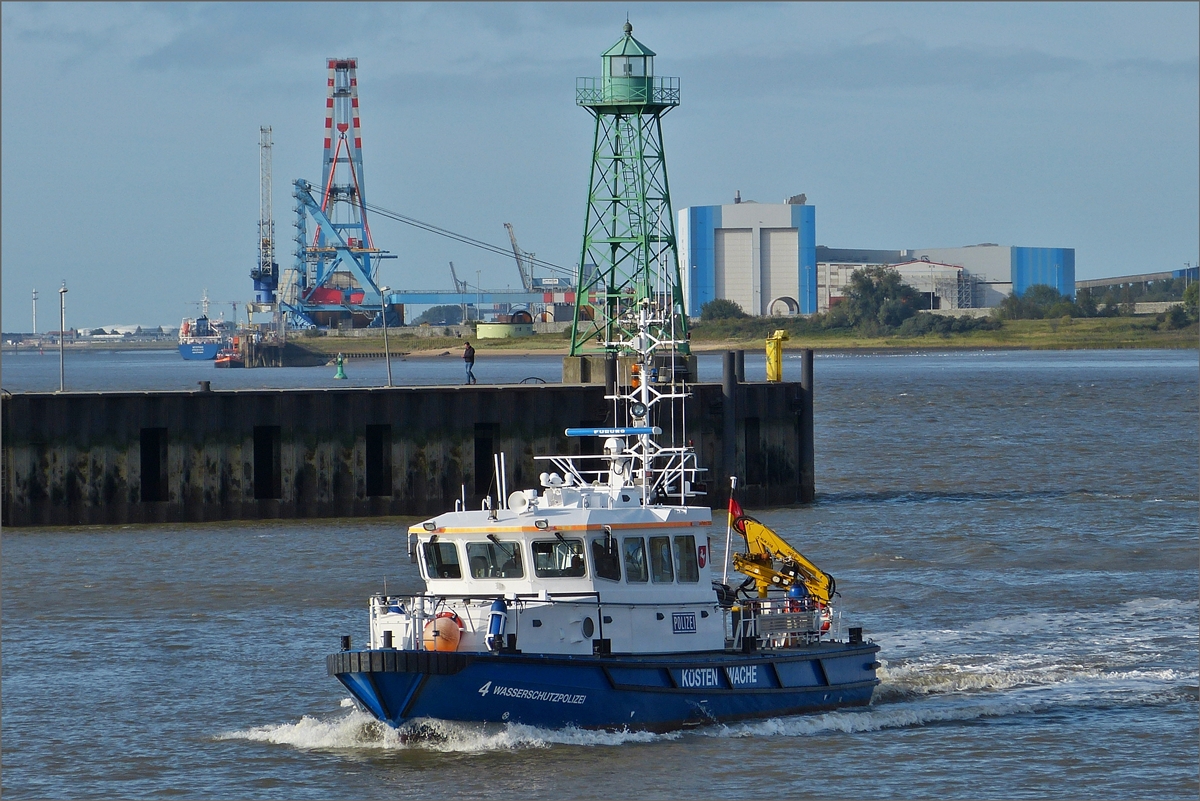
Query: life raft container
443, 632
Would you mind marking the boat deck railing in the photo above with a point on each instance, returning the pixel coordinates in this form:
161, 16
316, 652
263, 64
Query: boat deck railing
780, 623
668, 471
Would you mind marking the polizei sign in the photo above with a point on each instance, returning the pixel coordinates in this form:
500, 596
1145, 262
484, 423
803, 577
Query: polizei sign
683, 622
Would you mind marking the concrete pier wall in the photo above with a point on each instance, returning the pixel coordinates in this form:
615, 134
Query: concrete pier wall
105, 458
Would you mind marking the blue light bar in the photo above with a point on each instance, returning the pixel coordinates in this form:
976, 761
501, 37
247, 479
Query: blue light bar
613, 432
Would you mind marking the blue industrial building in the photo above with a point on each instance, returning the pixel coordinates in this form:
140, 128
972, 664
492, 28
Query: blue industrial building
1050, 266
765, 258
762, 256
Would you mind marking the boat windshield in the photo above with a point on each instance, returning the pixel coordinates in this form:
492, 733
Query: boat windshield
661, 571
606, 559
685, 559
495, 559
635, 560
558, 559
441, 560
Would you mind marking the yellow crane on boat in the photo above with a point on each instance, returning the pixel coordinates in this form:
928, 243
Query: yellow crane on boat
772, 562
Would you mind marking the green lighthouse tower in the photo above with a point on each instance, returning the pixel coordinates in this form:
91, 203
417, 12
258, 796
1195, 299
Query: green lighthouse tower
629, 249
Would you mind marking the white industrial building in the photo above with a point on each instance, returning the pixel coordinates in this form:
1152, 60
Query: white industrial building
949, 286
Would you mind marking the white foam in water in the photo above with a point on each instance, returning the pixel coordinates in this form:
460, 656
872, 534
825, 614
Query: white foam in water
886, 716
359, 730
354, 730
1094, 655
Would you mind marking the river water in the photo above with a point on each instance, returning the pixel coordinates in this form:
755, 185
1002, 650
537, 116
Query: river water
1017, 530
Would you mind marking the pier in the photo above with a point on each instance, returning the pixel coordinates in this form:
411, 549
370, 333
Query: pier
85, 458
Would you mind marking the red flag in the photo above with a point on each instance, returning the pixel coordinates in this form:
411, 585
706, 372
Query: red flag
735, 509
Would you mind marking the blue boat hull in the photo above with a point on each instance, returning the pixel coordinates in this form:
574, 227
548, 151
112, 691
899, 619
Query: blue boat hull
658, 693
199, 351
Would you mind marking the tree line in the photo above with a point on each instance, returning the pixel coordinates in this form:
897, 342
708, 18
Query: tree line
878, 303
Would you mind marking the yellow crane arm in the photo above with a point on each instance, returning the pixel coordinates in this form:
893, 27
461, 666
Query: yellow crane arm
772, 562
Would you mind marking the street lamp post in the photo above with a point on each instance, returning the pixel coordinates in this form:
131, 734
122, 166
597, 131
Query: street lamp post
387, 355
62, 332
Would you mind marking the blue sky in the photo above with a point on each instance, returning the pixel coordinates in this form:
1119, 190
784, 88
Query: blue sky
130, 132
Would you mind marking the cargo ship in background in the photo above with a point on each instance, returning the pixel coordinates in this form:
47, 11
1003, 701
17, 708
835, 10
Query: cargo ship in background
204, 340
201, 339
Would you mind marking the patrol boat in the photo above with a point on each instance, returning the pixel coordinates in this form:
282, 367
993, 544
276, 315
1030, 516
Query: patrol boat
592, 600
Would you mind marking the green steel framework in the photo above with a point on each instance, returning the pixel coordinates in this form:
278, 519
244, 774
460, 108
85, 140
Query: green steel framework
629, 228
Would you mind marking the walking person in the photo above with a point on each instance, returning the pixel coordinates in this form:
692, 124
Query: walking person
469, 358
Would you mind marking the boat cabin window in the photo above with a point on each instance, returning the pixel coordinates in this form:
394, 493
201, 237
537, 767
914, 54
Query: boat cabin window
685, 558
558, 559
635, 560
606, 558
661, 571
441, 560
495, 560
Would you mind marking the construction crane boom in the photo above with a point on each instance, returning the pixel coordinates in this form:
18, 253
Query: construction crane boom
459, 286
772, 562
521, 256
203, 304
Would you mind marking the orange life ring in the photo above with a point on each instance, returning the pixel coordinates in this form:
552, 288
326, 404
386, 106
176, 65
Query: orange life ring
443, 632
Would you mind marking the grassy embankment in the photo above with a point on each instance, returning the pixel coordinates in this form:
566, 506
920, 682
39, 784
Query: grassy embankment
1068, 334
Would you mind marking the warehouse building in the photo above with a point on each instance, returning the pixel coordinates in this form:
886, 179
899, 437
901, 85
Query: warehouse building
976, 276
764, 257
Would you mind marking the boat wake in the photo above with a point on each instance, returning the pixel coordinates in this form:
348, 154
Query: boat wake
875, 718
1141, 652
359, 730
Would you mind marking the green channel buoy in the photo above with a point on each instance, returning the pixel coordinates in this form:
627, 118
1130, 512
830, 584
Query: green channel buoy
341, 372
